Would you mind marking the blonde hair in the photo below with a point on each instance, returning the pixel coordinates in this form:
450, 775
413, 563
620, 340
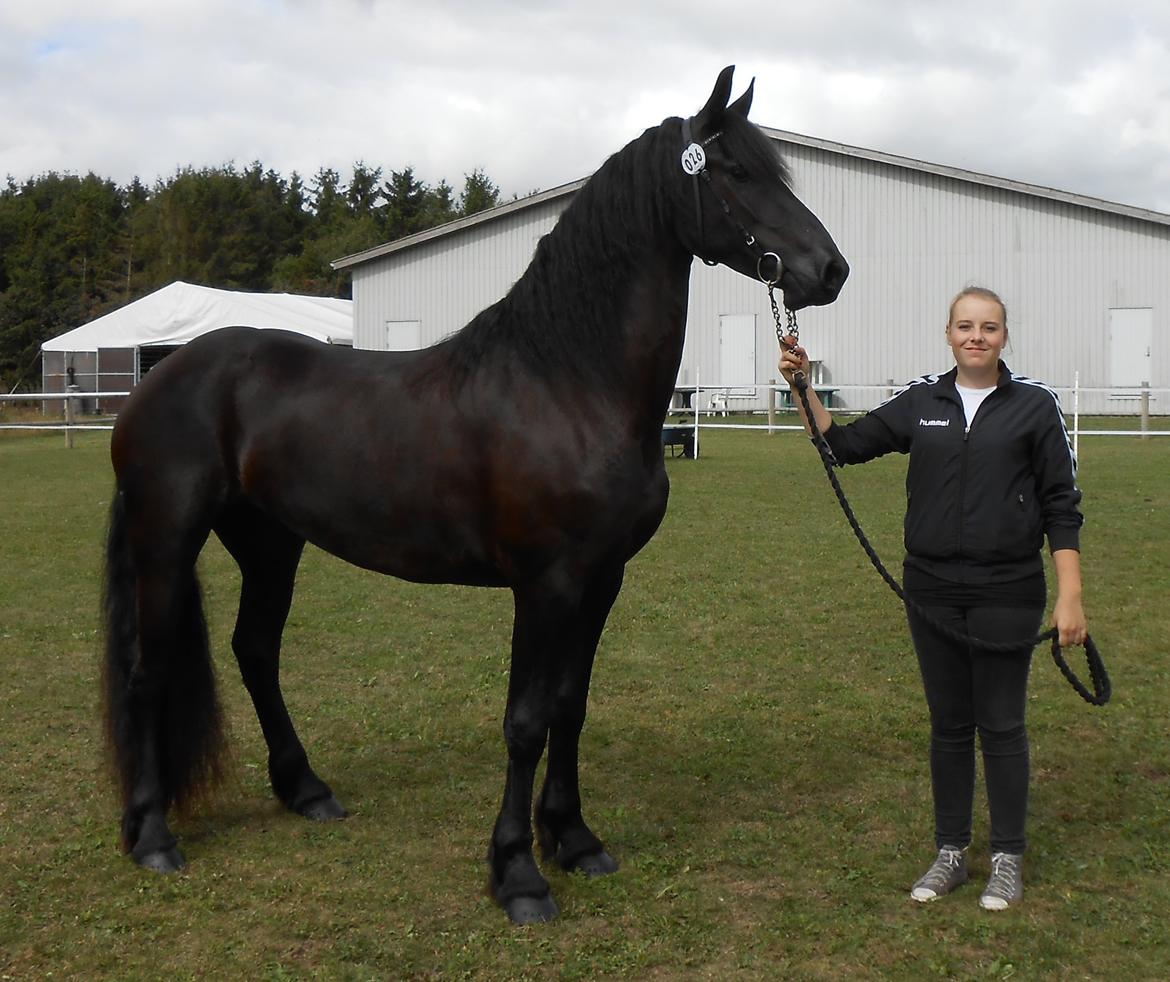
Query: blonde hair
977, 291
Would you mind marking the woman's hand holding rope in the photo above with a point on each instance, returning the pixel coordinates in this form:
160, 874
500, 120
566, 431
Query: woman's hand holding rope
794, 360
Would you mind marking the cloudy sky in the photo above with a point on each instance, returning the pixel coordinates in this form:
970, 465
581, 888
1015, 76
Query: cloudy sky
1062, 93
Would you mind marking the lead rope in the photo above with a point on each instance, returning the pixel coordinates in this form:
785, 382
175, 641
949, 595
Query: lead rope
1102, 687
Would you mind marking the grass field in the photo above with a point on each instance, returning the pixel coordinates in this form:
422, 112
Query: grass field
755, 756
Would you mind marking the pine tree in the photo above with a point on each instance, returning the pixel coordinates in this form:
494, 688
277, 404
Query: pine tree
479, 193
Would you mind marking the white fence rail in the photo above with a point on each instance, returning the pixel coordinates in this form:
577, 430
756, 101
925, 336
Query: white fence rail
720, 402
692, 405
71, 400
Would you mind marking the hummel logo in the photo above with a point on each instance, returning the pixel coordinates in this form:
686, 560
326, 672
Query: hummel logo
934, 422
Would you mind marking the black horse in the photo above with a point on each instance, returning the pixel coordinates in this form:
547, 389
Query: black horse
491, 474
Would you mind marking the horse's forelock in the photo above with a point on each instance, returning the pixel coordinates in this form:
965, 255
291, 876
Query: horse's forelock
751, 147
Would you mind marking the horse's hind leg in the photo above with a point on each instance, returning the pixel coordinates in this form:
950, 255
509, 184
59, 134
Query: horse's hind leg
268, 555
162, 714
560, 826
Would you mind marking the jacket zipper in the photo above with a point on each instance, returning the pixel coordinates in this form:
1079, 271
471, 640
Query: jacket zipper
963, 465
962, 487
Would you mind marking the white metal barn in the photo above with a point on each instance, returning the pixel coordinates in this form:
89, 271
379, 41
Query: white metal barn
1086, 282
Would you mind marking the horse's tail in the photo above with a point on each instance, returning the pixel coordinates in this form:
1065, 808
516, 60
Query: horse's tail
168, 710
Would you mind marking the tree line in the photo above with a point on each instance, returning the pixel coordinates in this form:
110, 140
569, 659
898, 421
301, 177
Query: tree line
73, 248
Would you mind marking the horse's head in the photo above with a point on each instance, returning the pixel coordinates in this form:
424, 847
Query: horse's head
737, 208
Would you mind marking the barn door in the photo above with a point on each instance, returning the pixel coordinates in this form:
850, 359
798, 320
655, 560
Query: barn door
737, 352
1131, 336
403, 335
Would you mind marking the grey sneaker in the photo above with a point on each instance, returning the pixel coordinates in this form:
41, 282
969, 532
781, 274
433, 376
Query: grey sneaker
949, 870
1006, 885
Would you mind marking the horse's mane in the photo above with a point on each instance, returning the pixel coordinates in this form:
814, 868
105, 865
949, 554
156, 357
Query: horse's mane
563, 311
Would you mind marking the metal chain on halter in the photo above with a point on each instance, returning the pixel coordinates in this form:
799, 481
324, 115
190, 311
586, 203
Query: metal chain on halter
1102, 687
793, 328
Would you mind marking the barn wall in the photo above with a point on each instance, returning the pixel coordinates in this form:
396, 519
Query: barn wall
447, 281
913, 238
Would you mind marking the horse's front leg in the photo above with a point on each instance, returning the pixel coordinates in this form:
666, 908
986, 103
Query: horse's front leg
560, 825
538, 648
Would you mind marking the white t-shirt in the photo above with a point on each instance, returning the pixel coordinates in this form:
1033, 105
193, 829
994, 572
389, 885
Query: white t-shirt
972, 400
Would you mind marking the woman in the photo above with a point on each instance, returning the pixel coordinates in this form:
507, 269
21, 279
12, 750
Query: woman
991, 473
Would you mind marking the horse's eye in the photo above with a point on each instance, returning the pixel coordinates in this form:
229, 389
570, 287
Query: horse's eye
738, 173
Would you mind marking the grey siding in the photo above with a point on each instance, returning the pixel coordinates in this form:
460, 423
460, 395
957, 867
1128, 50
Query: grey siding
914, 235
446, 281
914, 239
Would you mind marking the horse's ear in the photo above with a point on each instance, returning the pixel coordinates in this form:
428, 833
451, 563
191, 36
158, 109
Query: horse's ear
743, 104
710, 114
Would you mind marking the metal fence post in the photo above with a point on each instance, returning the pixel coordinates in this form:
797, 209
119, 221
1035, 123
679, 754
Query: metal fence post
695, 405
70, 413
1145, 403
1076, 434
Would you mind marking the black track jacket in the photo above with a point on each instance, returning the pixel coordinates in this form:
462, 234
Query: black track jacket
978, 502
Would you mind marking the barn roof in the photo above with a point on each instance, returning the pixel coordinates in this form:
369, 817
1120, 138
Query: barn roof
973, 177
783, 136
182, 312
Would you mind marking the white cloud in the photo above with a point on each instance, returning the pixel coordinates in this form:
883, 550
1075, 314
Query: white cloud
1071, 95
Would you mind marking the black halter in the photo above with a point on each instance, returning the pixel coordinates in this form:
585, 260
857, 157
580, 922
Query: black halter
694, 162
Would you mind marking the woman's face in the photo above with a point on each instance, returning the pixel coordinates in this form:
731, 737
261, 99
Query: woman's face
977, 334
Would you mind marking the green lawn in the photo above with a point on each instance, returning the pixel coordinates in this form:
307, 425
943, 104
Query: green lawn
755, 756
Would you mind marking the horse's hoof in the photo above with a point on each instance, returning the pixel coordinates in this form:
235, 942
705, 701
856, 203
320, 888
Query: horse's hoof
168, 860
596, 864
532, 910
324, 810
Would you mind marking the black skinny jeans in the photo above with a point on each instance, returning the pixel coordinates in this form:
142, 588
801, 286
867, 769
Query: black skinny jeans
969, 690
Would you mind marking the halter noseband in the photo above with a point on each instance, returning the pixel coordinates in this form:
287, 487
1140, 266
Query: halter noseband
694, 163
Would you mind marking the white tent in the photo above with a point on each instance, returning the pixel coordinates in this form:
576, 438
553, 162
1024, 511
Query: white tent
181, 312
112, 353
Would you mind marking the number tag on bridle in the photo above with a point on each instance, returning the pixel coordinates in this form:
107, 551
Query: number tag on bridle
694, 159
